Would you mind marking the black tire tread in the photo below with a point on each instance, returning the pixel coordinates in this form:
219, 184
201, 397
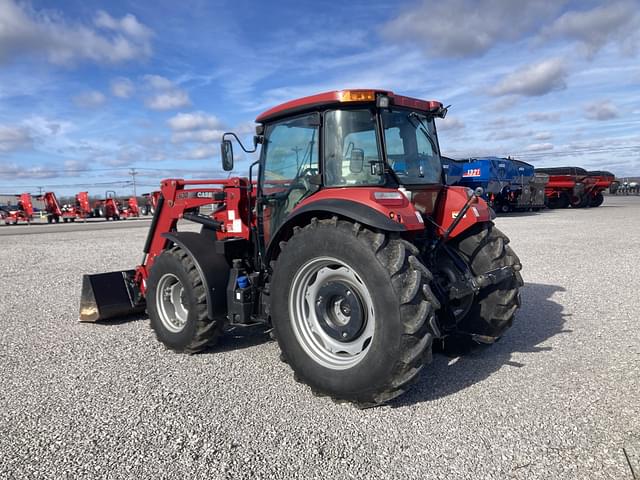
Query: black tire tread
496, 306
207, 330
410, 280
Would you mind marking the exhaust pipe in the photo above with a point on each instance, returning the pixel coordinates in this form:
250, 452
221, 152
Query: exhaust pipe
110, 295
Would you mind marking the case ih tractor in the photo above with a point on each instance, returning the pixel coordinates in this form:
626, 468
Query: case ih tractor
23, 212
348, 245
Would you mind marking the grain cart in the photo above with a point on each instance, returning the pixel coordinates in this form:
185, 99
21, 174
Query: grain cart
348, 245
527, 187
566, 186
452, 170
493, 175
22, 212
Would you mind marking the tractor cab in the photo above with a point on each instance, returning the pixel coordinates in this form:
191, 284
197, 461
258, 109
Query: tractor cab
349, 140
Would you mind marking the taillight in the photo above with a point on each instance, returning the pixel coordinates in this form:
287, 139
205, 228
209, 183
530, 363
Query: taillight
390, 198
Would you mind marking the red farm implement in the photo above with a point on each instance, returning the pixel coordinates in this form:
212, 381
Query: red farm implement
566, 186
68, 213
21, 212
132, 210
358, 258
575, 187
151, 200
600, 181
112, 209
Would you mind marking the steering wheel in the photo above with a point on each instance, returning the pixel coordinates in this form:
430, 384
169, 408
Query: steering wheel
301, 182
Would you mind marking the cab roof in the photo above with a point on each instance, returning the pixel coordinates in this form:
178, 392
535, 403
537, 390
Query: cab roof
321, 100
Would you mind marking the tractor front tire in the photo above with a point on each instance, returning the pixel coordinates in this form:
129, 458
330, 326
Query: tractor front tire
486, 248
352, 311
177, 304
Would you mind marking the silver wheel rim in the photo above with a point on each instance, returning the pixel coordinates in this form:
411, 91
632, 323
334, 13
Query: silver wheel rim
170, 301
311, 328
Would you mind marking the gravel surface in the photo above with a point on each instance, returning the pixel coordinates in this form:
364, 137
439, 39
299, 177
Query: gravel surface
557, 397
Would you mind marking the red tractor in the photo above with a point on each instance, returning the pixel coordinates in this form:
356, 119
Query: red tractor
349, 246
109, 208
22, 212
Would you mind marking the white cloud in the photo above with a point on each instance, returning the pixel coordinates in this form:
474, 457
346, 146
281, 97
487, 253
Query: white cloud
464, 28
90, 99
122, 87
617, 22
507, 134
24, 31
602, 110
542, 136
534, 80
544, 116
198, 136
159, 82
201, 153
169, 100
539, 147
167, 95
450, 123
14, 138
128, 25
193, 121
13, 171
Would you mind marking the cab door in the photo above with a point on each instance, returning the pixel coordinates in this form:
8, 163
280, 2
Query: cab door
290, 169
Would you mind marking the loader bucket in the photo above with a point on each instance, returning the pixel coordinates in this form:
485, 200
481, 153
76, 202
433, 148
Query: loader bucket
109, 295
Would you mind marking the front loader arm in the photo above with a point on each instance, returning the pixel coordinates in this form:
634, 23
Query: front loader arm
121, 293
177, 201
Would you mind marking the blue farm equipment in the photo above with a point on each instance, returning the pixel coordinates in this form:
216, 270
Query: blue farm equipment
452, 170
508, 184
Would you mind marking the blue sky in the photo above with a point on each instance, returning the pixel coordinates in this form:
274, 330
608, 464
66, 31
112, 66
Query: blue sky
90, 89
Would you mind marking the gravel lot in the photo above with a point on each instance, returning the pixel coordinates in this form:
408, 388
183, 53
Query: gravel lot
558, 397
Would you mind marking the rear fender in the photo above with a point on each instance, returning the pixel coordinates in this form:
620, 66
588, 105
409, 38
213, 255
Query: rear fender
349, 209
451, 202
212, 267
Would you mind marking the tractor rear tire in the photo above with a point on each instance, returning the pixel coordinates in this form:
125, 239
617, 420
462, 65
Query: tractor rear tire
486, 248
177, 304
372, 351
596, 200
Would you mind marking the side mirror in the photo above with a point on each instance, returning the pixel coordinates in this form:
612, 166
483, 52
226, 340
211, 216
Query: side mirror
356, 160
227, 155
